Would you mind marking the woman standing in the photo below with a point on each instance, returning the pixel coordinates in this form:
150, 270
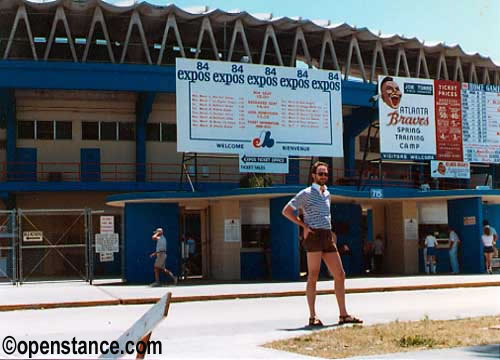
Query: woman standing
487, 239
430, 261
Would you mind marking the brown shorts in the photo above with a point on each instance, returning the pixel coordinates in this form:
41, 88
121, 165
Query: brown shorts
320, 240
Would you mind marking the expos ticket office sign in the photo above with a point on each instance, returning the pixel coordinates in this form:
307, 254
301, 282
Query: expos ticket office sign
237, 108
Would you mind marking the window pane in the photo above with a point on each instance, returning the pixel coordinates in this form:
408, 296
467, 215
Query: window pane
255, 236
153, 132
168, 132
108, 131
90, 130
25, 129
127, 131
64, 130
45, 130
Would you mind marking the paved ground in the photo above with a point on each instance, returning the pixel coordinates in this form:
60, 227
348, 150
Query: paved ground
236, 328
37, 295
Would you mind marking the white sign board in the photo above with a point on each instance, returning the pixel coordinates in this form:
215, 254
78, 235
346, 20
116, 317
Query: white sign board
106, 256
107, 224
232, 230
411, 229
107, 243
450, 169
32, 236
225, 107
481, 122
263, 164
407, 122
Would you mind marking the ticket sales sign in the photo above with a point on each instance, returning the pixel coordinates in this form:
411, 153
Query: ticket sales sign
237, 108
263, 164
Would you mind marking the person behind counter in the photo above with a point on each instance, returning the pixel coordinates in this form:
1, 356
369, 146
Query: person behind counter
430, 259
453, 252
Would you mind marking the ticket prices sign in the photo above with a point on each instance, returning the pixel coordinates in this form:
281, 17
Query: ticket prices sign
450, 169
225, 107
407, 122
448, 111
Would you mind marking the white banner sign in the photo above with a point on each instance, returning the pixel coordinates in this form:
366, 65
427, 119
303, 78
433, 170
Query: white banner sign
450, 169
107, 242
237, 108
407, 123
263, 164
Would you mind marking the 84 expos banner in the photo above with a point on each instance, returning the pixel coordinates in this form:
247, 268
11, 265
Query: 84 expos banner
237, 108
406, 113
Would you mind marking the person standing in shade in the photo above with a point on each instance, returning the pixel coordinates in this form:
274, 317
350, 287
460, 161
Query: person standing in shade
319, 241
430, 259
378, 253
487, 239
495, 236
453, 252
161, 257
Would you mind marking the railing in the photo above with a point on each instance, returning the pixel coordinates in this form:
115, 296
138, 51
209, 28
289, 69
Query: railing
227, 172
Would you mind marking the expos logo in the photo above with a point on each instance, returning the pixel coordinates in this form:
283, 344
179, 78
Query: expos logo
264, 140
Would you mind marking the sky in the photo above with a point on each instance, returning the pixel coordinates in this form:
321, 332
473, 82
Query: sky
473, 24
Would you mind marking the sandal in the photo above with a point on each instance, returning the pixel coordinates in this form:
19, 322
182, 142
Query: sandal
314, 321
348, 319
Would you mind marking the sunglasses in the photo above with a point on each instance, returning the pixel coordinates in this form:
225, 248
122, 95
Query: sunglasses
322, 174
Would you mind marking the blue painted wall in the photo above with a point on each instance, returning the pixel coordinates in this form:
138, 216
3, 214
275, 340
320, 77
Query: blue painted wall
348, 217
471, 259
140, 222
90, 164
25, 166
252, 265
284, 243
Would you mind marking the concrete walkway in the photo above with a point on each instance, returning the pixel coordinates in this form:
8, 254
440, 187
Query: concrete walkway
75, 294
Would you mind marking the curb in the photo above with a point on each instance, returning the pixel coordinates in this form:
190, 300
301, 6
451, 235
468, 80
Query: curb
180, 299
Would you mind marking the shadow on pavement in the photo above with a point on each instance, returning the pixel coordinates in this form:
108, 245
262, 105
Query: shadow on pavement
307, 327
486, 351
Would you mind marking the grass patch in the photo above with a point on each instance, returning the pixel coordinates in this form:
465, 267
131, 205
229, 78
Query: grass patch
394, 337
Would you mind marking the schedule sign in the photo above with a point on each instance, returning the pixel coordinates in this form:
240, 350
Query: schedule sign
225, 107
481, 122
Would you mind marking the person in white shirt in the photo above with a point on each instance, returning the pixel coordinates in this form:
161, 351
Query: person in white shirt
453, 252
430, 261
488, 239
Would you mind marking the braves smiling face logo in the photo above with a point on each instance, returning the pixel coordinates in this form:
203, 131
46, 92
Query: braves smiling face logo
390, 92
264, 140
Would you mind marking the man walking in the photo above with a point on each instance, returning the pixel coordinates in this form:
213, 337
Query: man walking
319, 241
161, 257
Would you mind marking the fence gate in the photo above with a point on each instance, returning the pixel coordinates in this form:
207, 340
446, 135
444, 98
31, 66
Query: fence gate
8, 244
54, 244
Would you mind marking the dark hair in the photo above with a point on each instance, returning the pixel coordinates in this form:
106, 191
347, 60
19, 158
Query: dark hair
487, 230
386, 79
485, 223
316, 165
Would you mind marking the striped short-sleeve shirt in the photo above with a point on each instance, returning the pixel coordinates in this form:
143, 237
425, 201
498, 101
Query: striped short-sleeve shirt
315, 206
